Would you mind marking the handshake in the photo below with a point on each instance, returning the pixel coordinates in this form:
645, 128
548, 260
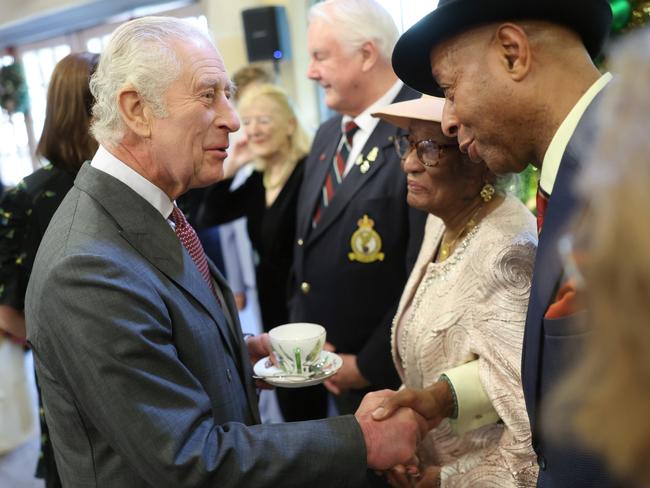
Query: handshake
394, 423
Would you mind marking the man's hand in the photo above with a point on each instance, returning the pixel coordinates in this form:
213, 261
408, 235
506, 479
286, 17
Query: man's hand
259, 347
393, 441
434, 403
347, 378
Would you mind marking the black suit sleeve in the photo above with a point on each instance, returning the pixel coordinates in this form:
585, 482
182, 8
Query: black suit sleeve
373, 360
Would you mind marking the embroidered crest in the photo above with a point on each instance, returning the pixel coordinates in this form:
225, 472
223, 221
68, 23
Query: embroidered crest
366, 242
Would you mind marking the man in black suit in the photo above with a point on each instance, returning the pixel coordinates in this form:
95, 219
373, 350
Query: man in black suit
353, 243
520, 87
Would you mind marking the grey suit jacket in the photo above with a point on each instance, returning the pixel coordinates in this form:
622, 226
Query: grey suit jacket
144, 381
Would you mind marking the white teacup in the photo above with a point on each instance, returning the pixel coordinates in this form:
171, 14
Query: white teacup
297, 346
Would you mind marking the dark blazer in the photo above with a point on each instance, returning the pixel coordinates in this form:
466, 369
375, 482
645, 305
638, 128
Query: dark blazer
271, 230
551, 346
355, 301
145, 382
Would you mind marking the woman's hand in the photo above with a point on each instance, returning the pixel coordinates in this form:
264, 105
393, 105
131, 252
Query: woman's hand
400, 477
434, 403
238, 158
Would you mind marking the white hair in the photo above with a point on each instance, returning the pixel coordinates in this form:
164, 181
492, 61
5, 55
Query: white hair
141, 55
357, 22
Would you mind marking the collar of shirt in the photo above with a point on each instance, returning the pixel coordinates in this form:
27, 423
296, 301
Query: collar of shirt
367, 123
106, 162
556, 148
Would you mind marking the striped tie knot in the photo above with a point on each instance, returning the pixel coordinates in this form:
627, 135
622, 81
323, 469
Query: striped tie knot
189, 239
349, 130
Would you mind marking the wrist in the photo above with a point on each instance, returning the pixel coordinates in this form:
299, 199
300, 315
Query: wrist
445, 396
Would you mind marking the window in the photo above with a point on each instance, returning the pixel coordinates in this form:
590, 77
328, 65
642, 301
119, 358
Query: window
19, 132
407, 12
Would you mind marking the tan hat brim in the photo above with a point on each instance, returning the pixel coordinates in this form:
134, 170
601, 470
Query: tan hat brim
402, 113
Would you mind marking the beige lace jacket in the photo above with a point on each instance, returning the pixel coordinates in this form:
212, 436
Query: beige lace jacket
473, 306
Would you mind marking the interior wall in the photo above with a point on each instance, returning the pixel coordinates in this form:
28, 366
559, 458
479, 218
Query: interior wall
13, 10
224, 19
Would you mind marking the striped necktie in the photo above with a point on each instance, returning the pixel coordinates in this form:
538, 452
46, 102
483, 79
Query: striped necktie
190, 241
542, 203
337, 169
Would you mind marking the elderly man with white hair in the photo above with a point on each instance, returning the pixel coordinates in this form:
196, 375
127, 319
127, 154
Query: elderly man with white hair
356, 236
145, 376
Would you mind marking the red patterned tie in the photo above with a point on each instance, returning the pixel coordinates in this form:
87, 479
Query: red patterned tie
190, 241
542, 203
337, 169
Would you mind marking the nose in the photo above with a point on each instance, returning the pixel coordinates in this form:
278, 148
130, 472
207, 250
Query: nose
449, 122
312, 72
411, 163
229, 120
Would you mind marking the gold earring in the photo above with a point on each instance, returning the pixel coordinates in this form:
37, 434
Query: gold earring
487, 192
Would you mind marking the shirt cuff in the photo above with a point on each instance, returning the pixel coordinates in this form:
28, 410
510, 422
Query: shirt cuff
473, 405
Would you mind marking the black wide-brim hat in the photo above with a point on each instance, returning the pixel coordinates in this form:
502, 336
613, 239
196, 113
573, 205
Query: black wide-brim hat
591, 19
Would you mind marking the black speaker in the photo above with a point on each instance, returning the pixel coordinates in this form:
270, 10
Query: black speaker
267, 33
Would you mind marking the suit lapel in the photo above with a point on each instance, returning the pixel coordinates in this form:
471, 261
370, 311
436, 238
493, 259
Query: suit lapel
313, 185
356, 179
151, 235
245, 369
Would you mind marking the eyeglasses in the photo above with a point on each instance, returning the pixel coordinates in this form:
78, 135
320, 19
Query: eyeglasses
261, 120
428, 151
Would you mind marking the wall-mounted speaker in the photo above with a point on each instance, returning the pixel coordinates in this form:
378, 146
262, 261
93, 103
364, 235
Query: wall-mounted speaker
267, 33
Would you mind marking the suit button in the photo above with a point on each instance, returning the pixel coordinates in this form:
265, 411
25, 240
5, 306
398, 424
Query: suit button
305, 287
229, 375
300, 242
541, 461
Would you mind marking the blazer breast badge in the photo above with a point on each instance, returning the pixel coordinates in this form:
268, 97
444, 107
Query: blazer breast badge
366, 242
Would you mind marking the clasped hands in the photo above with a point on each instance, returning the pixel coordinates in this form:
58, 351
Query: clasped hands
394, 423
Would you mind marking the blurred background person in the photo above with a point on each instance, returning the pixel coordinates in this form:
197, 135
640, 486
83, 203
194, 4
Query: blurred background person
26, 210
463, 310
608, 256
278, 145
235, 244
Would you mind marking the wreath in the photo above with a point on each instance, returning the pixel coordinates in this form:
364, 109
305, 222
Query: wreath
13, 89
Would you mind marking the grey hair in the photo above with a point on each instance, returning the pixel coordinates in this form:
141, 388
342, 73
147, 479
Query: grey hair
357, 22
140, 54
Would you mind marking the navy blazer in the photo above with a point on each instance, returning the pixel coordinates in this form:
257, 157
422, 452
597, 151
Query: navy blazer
551, 346
355, 301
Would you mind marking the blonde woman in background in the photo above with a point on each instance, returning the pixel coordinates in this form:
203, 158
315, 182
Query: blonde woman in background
277, 144
609, 254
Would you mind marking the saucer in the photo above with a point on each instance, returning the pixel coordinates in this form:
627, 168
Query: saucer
273, 375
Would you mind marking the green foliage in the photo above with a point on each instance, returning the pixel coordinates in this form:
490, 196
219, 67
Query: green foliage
13, 89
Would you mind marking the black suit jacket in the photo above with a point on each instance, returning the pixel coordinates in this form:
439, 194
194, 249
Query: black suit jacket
355, 301
553, 346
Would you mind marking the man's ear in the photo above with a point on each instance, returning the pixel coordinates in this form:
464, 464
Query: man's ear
514, 51
370, 55
135, 113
